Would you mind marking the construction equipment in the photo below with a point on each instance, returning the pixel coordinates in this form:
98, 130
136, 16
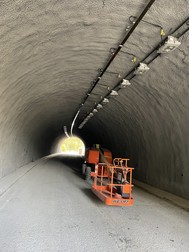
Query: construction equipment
94, 156
112, 181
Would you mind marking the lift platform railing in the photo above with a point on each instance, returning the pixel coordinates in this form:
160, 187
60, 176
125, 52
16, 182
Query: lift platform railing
113, 183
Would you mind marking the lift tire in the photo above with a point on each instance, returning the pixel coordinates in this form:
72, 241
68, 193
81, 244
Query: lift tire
87, 173
84, 166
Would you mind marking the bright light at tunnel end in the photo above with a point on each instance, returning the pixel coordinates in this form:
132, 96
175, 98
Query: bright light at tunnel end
68, 146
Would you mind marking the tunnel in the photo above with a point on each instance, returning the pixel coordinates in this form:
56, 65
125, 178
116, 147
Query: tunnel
61, 59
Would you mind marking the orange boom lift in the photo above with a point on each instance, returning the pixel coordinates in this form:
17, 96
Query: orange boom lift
112, 181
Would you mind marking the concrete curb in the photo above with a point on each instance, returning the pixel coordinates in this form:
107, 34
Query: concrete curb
176, 200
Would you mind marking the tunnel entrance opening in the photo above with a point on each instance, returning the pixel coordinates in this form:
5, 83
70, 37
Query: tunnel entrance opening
70, 146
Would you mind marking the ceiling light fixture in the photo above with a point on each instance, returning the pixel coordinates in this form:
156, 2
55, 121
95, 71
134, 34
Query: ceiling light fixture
81, 125
95, 110
105, 100
99, 106
143, 68
84, 122
125, 83
170, 45
114, 93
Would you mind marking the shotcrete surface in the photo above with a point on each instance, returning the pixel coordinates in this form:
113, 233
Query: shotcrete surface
51, 51
51, 208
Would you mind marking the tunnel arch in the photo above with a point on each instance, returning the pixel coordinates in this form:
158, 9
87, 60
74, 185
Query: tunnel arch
50, 56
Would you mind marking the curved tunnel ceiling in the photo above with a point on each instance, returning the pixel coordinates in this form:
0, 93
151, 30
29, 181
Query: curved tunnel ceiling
51, 52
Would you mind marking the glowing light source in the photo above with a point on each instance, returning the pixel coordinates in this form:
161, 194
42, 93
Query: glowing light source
72, 146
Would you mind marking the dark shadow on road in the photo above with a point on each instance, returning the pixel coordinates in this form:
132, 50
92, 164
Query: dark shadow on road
74, 163
92, 196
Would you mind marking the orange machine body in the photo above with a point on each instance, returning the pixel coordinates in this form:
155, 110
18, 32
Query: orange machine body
113, 183
107, 155
92, 156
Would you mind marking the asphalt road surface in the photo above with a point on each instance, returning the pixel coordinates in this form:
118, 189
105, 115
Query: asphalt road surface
51, 208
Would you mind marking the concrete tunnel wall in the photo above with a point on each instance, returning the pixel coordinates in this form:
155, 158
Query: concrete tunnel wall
50, 53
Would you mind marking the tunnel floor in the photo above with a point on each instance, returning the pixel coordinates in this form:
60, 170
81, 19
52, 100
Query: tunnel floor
51, 208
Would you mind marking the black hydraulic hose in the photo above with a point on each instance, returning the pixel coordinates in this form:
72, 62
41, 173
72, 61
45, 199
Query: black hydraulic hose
138, 20
157, 47
120, 46
186, 21
154, 50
